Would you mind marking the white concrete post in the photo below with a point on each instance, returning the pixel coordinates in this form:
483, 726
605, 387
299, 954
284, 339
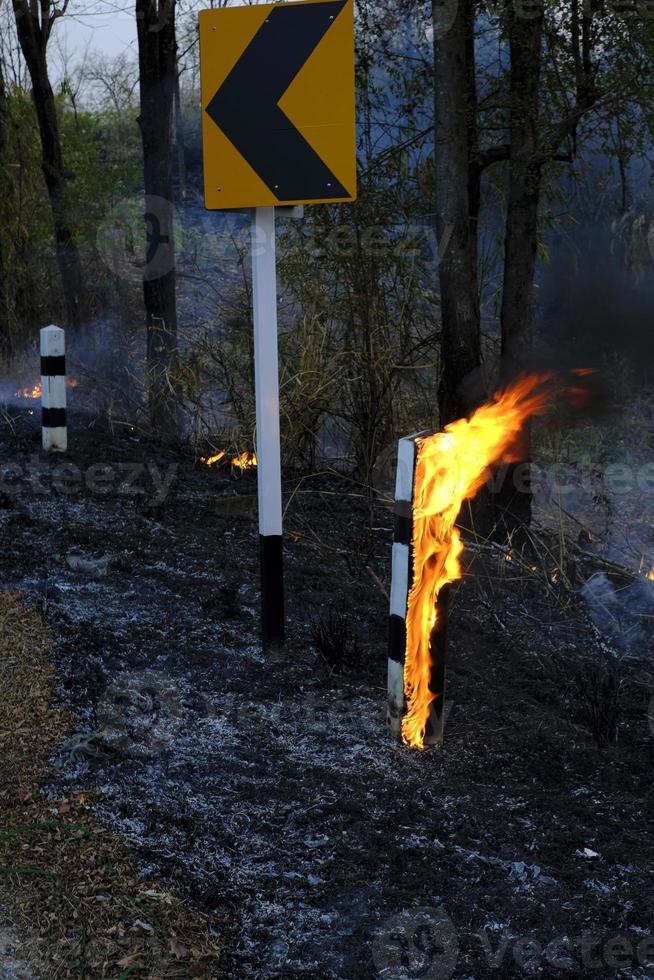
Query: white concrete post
53, 389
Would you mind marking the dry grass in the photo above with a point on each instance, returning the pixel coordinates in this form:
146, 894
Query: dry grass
68, 886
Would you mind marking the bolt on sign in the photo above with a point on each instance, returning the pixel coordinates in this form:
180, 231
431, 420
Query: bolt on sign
278, 104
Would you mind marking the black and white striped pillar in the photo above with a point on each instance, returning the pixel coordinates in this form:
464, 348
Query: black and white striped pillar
401, 581
269, 478
53, 389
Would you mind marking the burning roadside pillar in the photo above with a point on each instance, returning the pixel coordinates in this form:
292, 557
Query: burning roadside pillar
436, 473
401, 582
53, 389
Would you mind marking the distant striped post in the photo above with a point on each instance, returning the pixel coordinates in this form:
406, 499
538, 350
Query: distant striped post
53, 389
401, 580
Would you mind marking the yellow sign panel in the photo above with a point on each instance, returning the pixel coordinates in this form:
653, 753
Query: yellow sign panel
278, 104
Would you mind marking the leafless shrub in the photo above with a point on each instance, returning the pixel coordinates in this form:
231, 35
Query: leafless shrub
334, 639
594, 688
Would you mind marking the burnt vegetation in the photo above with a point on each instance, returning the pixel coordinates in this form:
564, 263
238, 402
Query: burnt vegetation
504, 223
334, 639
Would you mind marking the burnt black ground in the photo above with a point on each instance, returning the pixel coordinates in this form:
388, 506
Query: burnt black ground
271, 793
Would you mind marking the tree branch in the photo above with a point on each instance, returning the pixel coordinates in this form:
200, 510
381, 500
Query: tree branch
587, 94
492, 154
566, 126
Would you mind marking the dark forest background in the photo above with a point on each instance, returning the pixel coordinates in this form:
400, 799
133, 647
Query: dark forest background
504, 159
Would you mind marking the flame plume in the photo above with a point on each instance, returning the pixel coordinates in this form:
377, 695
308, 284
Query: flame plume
451, 466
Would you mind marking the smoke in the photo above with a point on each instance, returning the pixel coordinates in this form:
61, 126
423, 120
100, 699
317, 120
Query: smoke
623, 615
580, 392
597, 296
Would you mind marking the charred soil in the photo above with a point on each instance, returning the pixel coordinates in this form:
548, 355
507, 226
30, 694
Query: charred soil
271, 794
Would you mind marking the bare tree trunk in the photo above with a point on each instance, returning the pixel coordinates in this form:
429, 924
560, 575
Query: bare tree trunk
457, 203
33, 36
6, 339
517, 314
157, 73
475, 165
532, 145
622, 155
179, 140
459, 166
513, 500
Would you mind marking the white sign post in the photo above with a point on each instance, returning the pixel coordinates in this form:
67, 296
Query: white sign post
258, 157
269, 478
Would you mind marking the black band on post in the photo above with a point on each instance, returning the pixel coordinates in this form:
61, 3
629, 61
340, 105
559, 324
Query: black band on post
53, 418
438, 649
403, 527
53, 367
272, 594
396, 638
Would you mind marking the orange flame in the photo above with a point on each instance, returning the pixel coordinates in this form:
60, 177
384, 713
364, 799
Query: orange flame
36, 390
641, 570
451, 466
211, 460
244, 461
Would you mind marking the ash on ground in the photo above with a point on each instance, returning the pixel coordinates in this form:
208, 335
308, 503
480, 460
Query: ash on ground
272, 792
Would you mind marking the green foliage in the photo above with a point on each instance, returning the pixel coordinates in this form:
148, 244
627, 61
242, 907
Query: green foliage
25, 227
103, 152
102, 157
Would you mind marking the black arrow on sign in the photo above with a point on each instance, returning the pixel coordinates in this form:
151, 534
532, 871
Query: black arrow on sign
245, 106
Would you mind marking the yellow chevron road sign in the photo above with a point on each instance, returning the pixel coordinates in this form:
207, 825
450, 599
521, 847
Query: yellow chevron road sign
278, 104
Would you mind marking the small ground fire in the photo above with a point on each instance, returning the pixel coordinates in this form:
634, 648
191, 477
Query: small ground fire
451, 466
242, 461
36, 390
